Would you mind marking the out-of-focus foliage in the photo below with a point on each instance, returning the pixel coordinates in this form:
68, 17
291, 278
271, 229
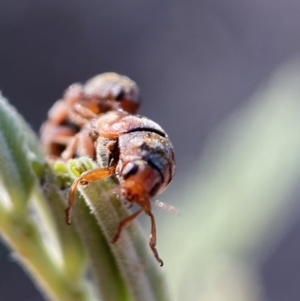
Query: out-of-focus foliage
236, 204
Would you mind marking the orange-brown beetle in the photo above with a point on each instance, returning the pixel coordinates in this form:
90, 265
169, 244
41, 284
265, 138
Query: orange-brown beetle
104, 92
133, 148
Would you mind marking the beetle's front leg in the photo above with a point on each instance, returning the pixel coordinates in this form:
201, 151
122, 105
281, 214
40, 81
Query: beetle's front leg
86, 177
124, 223
152, 241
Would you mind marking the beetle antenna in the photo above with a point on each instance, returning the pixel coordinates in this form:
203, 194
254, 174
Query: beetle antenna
167, 207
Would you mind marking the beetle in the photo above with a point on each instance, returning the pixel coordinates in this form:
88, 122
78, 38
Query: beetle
80, 103
133, 148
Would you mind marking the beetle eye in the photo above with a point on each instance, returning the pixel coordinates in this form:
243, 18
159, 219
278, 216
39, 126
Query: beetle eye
129, 170
120, 95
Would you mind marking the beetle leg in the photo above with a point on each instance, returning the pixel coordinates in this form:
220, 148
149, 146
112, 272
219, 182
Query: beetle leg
81, 145
70, 150
56, 134
86, 177
87, 110
54, 138
152, 241
85, 145
80, 114
124, 223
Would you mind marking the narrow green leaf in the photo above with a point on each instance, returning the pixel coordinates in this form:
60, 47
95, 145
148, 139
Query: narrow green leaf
15, 169
26, 222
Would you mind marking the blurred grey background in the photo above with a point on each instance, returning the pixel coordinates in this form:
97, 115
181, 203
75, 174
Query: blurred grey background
195, 62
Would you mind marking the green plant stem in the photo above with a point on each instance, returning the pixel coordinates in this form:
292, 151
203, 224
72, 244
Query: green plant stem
107, 278
73, 254
22, 236
140, 271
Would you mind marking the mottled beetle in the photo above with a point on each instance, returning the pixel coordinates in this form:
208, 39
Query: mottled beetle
133, 148
81, 103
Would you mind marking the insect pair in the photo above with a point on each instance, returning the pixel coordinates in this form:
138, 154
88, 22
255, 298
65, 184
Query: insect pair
97, 120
